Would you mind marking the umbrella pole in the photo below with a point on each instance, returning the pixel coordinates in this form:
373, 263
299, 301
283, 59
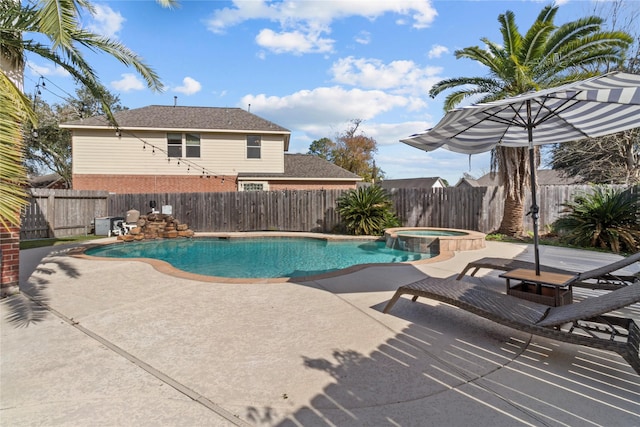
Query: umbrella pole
534, 202
534, 210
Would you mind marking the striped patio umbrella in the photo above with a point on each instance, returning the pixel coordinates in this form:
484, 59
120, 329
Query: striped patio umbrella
588, 108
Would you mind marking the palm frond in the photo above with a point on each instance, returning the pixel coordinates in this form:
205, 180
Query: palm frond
16, 109
547, 14
478, 54
56, 20
534, 42
121, 53
511, 38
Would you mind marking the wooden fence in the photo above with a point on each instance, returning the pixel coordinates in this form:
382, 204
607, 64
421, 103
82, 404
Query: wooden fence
241, 211
58, 213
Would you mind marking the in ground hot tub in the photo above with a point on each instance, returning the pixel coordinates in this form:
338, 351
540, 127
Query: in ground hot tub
434, 240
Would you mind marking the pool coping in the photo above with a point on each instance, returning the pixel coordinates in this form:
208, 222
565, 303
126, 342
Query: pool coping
467, 241
167, 268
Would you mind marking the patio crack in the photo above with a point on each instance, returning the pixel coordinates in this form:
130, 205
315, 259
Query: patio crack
181, 388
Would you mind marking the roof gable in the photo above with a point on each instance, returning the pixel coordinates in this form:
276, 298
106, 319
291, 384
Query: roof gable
411, 183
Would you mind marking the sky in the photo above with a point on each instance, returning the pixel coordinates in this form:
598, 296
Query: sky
311, 66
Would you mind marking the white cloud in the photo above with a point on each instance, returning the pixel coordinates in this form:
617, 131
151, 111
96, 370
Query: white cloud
295, 42
189, 86
437, 51
363, 37
128, 83
392, 133
328, 106
106, 21
40, 70
401, 76
303, 23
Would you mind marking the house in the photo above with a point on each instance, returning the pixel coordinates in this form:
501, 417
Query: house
168, 149
543, 177
428, 183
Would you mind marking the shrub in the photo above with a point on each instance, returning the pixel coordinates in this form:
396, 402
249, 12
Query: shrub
606, 218
367, 211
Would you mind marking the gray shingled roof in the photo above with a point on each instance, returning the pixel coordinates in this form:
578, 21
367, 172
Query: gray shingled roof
307, 166
388, 184
178, 117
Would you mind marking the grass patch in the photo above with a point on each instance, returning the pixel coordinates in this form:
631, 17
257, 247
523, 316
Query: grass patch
548, 240
39, 243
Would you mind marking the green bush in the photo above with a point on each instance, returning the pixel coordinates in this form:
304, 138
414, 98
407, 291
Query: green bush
606, 218
367, 211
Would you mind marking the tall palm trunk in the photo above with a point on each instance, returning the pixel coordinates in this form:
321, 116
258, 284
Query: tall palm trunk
511, 224
514, 171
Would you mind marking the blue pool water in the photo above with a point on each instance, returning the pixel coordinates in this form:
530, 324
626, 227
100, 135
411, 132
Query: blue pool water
259, 257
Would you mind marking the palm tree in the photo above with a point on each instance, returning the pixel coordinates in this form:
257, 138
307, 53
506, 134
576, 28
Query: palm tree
546, 56
58, 21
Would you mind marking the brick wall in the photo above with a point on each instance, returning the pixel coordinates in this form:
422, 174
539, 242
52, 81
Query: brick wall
310, 185
10, 262
136, 184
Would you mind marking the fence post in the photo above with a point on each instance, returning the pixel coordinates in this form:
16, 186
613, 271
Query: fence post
51, 214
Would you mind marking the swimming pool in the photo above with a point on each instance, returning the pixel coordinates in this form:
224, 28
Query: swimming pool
264, 257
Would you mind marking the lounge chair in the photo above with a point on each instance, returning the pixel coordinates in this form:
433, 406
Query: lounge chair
599, 278
584, 323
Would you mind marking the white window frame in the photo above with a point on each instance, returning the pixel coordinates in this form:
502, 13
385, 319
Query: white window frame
254, 148
264, 184
184, 147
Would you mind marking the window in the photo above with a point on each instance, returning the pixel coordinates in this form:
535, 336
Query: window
174, 144
193, 145
253, 186
253, 146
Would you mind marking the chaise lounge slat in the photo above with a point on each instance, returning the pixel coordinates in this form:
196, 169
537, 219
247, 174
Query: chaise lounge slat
603, 277
539, 319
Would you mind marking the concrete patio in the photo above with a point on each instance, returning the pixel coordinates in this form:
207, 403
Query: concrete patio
118, 343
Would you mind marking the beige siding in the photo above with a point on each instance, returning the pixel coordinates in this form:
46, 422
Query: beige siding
102, 152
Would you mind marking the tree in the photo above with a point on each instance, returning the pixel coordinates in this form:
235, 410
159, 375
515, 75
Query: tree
545, 56
611, 159
323, 148
59, 23
47, 147
352, 151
